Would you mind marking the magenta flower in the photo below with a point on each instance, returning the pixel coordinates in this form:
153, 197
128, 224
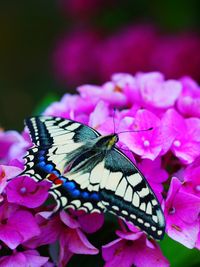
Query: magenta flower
181, 213
133, 249
191, 178
147, 144
158, 130
7, 172
189, 101
13, 146
70, 233
72, 240
26, 192
156, 92
155, 175
185, 146
50, 229
17, 225
109, 92
71, 106
26, 258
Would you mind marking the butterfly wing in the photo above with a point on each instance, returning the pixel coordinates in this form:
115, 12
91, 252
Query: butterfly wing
126, 193
59, 143
81, 183
55, 141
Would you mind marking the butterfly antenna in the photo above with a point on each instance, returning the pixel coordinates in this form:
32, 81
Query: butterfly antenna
114, 113
136, 131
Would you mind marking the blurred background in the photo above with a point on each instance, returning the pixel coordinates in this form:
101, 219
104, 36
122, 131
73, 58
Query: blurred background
49, 47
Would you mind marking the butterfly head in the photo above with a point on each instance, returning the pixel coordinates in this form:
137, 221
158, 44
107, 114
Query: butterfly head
107, 142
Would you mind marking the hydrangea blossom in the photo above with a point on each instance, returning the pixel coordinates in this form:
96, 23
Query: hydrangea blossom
160, 135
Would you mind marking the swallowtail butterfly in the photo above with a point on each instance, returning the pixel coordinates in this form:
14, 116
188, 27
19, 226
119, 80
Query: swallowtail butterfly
88, 172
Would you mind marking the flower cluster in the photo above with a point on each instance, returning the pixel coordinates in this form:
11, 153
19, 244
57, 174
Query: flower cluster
168, 155
131, 49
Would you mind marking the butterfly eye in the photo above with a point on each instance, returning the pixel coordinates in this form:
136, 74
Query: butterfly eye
117, 138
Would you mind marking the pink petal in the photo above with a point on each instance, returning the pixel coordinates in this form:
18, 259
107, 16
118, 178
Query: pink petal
90, 223
147, 144
50, 230
11, 237
187, 206
99, 115
115, 253
33, 194
27, 227
74, 241
184, 233
129, 235
15, 260
34, 259
68, 220
175, 186
157, 92
150, 256
25, 259
81, 245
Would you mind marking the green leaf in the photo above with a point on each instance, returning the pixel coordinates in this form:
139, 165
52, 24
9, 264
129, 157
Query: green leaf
178, 255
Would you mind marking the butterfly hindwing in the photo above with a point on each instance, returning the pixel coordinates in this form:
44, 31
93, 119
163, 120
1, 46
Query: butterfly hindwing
127, 194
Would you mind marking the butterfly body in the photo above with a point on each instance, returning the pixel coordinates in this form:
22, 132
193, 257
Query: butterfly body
88, 172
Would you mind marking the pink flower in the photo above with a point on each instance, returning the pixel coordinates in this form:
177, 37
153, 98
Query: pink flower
181, 213
148, 144
157, 130
191, 177
72, 107
133, 249
7, 172
155, 175
50, 229
185, 135
23, 259
69, 232
26, 192
156, 92
189, 101
109, 93
12, 146
72, 240
17, 225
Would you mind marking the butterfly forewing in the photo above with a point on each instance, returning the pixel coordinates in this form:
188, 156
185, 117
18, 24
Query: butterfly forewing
55, 140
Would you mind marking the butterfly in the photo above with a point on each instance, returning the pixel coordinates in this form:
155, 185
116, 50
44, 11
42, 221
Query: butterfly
88, 172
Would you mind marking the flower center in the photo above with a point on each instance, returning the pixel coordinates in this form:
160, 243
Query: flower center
146, 143
177, 143
172, 210
23, 190
197, 188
